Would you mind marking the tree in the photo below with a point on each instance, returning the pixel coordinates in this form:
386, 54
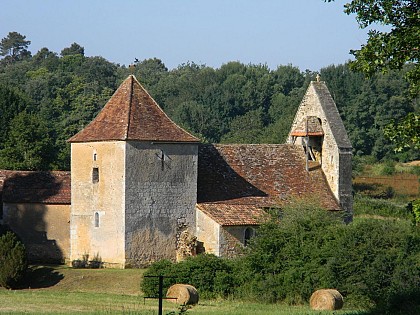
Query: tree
29, 145
388, 50
405, 133
13, 261
391, 50
14, 47
12, 102
74, 49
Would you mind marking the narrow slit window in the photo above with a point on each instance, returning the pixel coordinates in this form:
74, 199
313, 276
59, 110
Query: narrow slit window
94, 156
95, 175
96, 219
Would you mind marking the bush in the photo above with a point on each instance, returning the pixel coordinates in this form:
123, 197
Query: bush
372, 262
210, 275
287, 259
388, 168
380, 207
366, 259
13, 261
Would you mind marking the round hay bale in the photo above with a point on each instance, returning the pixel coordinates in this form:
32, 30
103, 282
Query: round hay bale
184, 294
326, 300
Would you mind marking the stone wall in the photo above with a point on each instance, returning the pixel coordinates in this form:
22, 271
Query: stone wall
232, 240
336, 148
207, 232
98, 201
161, 190
43, 228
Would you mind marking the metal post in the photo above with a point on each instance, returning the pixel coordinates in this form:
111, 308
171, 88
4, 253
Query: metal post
160, 295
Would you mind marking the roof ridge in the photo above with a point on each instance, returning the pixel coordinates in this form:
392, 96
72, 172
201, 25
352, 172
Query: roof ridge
129, 107
163, 112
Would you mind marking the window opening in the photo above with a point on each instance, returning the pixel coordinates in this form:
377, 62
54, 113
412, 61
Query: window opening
249, 233
96, 219
94, 156
95, 175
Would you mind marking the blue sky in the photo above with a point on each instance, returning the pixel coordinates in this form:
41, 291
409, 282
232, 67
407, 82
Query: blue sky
309, 34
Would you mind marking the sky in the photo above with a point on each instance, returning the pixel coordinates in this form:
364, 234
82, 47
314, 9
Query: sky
309, 34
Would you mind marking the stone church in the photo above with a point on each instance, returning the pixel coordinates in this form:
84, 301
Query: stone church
142, 189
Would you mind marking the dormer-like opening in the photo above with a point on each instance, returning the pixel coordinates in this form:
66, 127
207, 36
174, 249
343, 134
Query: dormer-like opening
310, 135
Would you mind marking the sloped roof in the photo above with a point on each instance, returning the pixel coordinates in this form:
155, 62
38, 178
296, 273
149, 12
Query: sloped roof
238, 177
332, 114
311, 126
35, 187
132, 114
228, 214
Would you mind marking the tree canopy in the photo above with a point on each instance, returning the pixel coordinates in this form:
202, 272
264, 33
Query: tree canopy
14, 47
393, 49
59, 94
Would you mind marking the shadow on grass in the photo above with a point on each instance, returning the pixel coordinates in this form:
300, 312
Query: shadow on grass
38, 277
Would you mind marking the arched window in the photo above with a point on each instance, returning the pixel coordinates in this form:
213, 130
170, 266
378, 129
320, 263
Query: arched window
248, 234
96, 219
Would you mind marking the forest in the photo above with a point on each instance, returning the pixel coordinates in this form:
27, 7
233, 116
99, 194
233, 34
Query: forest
47, 97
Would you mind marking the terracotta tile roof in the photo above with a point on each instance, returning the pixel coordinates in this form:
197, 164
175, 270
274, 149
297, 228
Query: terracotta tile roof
132, 114
228, 214
263, 175
308, 127
35, 187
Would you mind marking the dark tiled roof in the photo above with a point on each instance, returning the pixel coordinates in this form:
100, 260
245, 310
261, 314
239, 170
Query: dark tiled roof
308, 127
332, 114
132, 114
263, 175
35, 187
228, 214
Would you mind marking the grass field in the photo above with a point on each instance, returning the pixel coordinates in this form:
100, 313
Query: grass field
63, 290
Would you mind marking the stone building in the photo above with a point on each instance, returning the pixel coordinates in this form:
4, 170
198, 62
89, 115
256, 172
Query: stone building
143, 189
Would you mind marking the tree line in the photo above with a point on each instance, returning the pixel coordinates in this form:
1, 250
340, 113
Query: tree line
47, 97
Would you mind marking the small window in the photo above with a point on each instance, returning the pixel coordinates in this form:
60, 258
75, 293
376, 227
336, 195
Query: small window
96, 219
95, 156
249, 233
95, 175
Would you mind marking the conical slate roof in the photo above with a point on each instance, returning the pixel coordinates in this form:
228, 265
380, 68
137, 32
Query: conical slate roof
132, 114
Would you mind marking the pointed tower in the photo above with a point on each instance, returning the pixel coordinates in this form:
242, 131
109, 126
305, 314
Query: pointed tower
319, 129
134, 182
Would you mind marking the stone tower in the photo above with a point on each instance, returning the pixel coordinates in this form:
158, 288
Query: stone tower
133, 182
319, 129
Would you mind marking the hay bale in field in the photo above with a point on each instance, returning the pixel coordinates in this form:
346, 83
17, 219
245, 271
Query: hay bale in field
326, 300
184, 294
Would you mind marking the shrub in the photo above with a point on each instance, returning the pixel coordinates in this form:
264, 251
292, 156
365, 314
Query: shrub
380, 207
95, 263
388, 168
287, 259
13, 261
150, 284
414, 207
372, 262
210, 275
